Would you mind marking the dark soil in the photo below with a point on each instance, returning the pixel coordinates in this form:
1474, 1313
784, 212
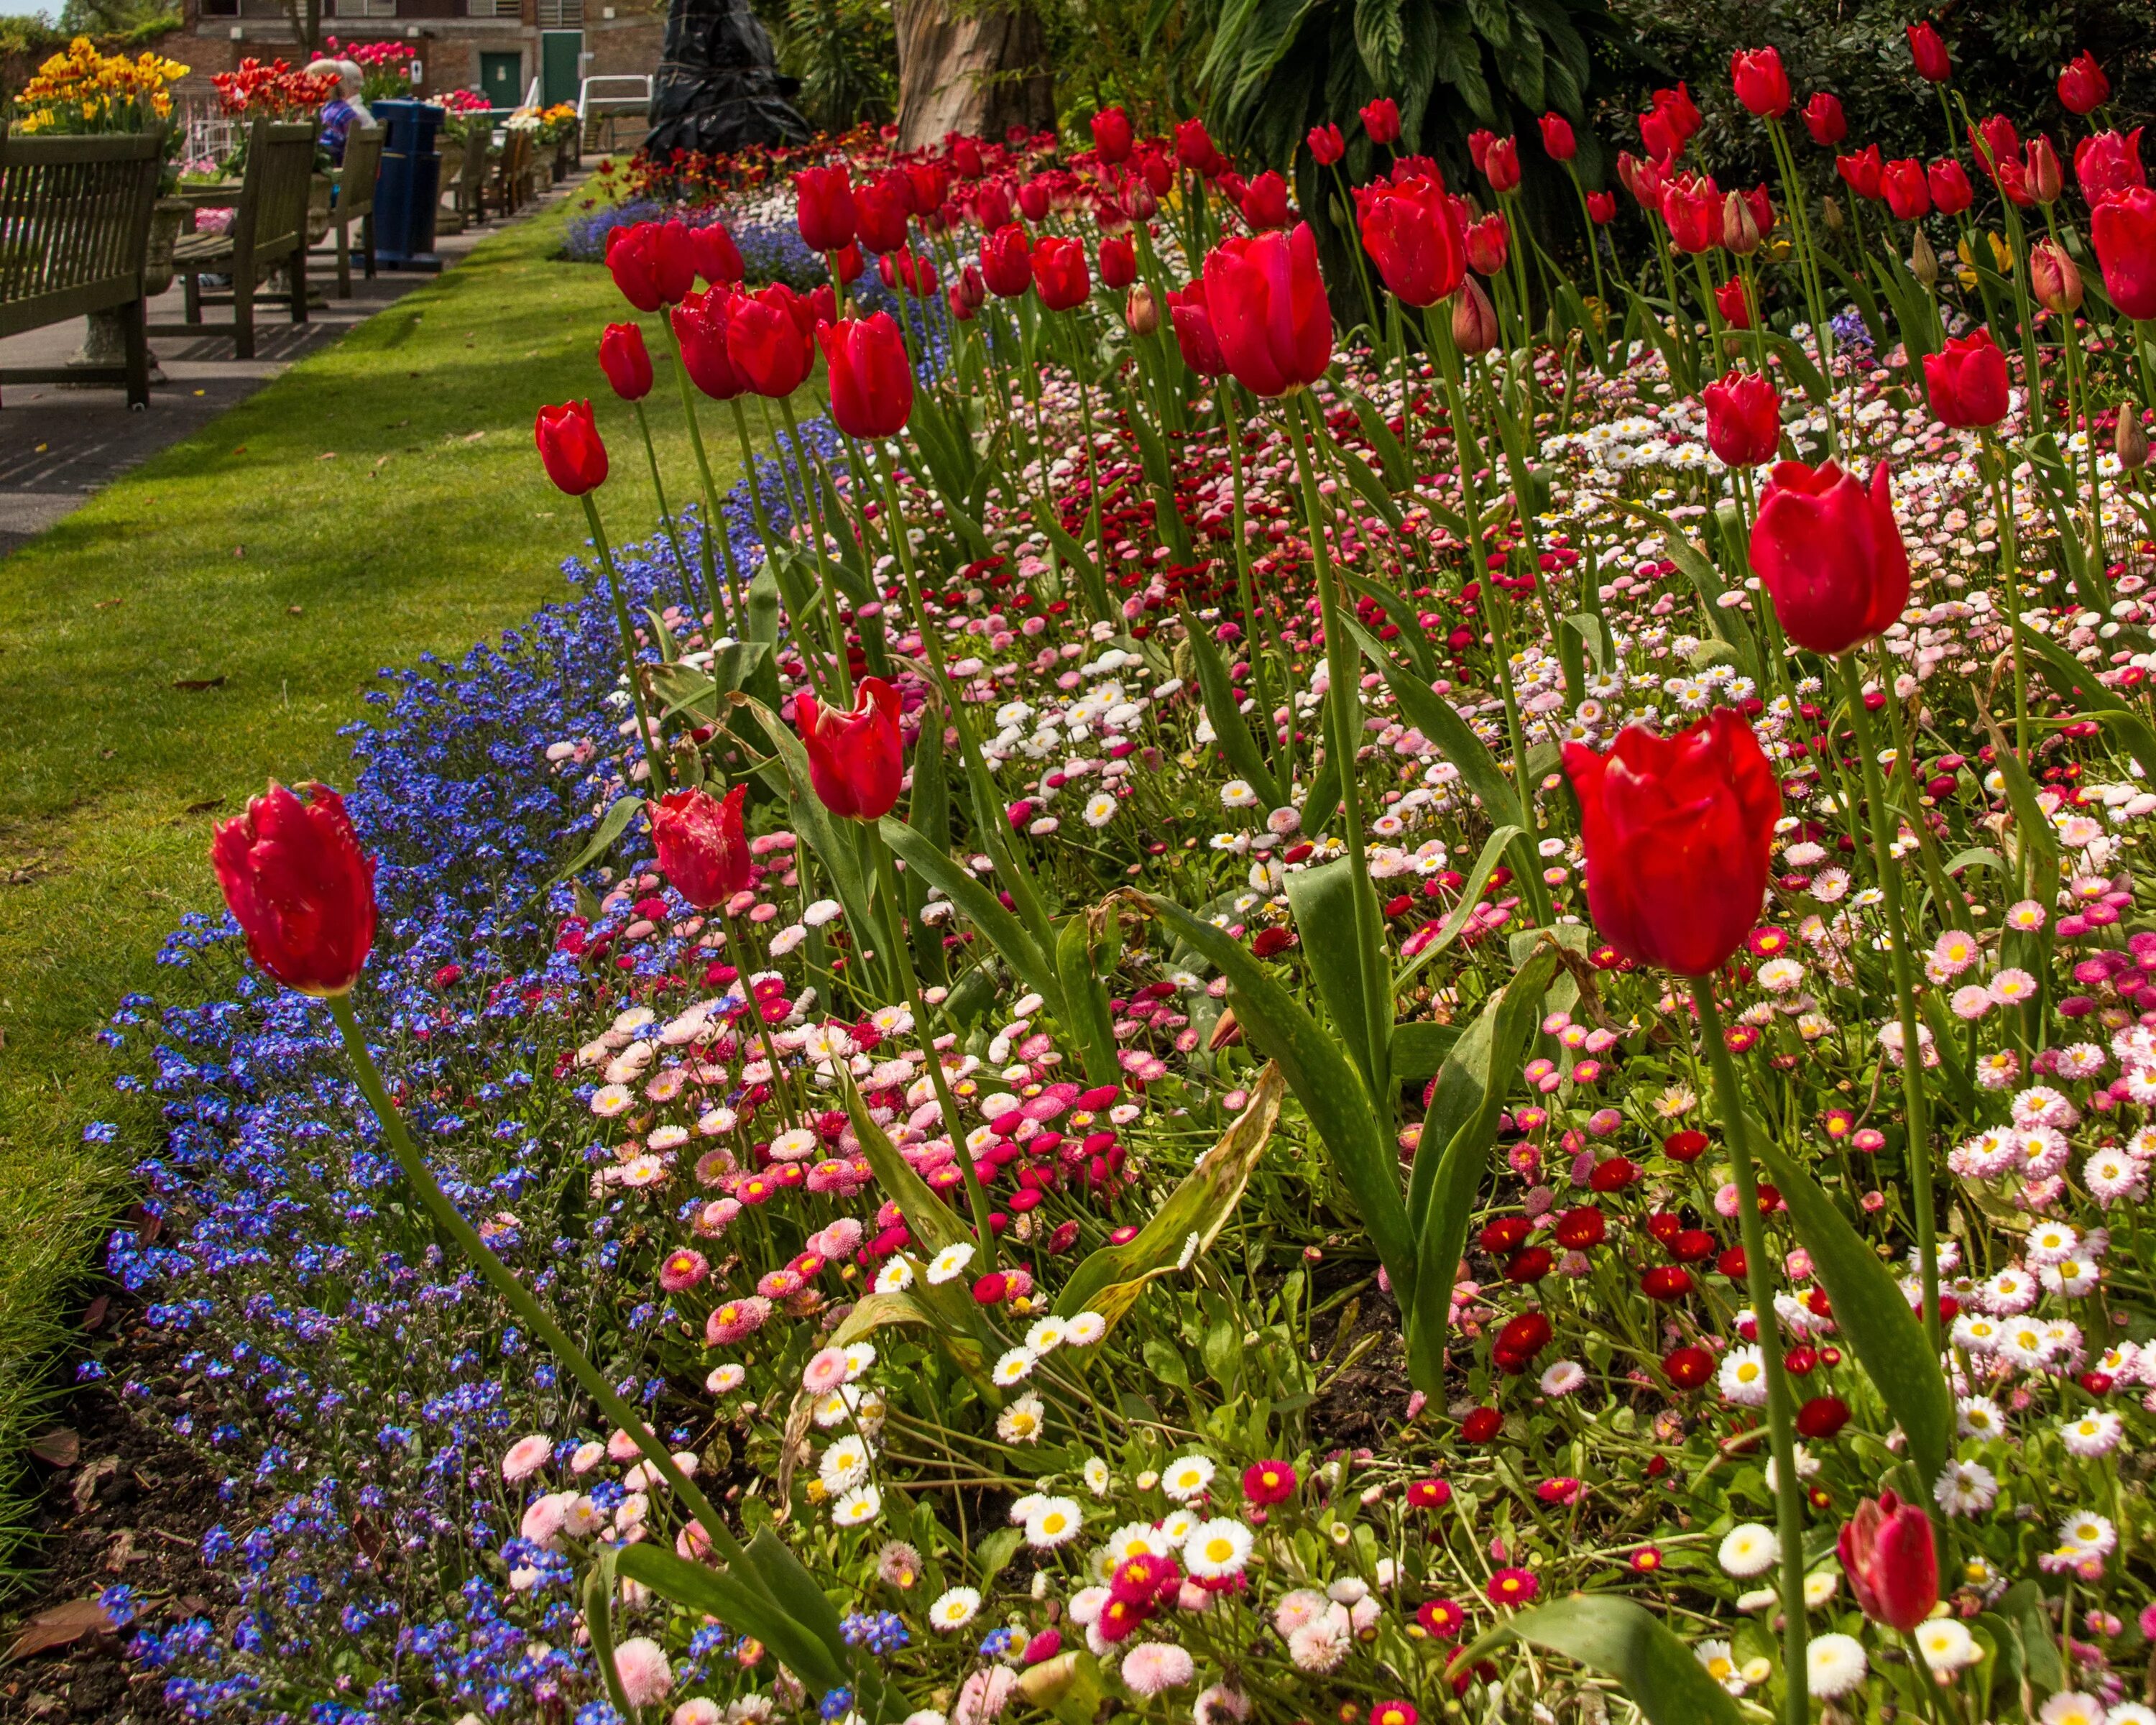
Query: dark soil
1362, 1361
122, 1501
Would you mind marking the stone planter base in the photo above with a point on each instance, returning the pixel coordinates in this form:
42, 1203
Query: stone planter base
104, 344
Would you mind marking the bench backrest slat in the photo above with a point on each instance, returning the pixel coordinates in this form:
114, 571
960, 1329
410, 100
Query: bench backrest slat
271, 219
362, 163
74, 215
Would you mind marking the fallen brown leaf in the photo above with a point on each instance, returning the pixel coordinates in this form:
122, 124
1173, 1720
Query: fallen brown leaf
90, 1478
60, 1627
57, 1448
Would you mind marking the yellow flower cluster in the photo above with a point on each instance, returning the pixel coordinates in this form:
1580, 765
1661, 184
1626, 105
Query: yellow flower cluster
85, 90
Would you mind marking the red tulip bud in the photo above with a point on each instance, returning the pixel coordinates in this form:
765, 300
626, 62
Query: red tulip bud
300, 888
623, 358
1888, 1552
568, 440
1474, 319
702, 848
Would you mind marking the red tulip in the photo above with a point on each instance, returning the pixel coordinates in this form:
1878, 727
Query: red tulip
1692, 207
2045, 181
1194, 147
1995, 141
1642, 179
1892, 1563
1601, 208
702, 850
1500, 164
1381, 119
1267, 301
1658, 137
1676, 831
1682, 113
718, 258
1761, 83
699, 331
1743, 418
1966, 382
1059, 273
870, 377
849, 262
1478, 149
2054, 278
2082, 87
1558, 143
1193, 331
767, 343
1326, 144
879, 214
1930, 54
2124, 230
966, 156
926, 184
1265, 204
568, 440
1949, 187
1862, 172
1908, 193
1006, 261
300, 888
1474, 319
654, 264
1033, 200
1119, 262
991, 206
623, 358
1487, 242
1823, 120
1112, 134
2108, 163
824, 207
1829, 553
1735, 306
854, 758
1412, 233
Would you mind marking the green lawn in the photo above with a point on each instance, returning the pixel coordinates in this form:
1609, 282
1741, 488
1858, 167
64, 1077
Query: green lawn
380, 500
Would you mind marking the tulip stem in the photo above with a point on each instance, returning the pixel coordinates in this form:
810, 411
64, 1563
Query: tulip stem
1283, 754
1342, 662
716, 522
665, 515
810, 484
1917, 1151
529, 1311
1758, 1285
654, 747
902, 962
781, 1092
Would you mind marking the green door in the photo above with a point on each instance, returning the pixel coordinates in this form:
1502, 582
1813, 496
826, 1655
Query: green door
561, 65
502, 77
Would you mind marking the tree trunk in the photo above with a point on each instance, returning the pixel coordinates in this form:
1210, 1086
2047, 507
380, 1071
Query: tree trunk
981, 70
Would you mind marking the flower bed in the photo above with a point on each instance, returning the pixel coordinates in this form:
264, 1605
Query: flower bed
1168, 1223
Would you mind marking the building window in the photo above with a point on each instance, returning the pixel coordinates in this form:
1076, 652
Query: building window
561, 14
367, 8
491, 8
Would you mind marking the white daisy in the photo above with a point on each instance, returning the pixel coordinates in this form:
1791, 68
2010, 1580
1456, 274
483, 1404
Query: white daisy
1748, 1549
954, 1609
1187, 1477
949, 1263
1216, 1548
1835, 1664
1055, 1520
856, 1508
1013, 1366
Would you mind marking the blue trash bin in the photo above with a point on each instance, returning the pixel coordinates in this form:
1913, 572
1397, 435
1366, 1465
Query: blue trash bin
410, 188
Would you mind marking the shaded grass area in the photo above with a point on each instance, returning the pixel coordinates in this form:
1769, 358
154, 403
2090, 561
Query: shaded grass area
212, 619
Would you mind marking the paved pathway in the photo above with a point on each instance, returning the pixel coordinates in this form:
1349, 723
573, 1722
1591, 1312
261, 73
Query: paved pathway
59, 443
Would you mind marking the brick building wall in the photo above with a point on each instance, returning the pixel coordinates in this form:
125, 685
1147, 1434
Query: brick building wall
498, 46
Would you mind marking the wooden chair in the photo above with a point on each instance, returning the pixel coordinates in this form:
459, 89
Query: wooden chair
356, 180
74, 234
269, 229
513, 176
468, 196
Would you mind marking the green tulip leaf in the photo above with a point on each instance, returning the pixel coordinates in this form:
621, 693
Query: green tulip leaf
1658, 1674
1230, 734
1324, 901
1871, 1312
980, 907
1111, 1280
1324, 1081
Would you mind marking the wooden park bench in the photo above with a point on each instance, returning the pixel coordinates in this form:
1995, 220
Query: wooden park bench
269, 229
512, 173
74, 234
356, 179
